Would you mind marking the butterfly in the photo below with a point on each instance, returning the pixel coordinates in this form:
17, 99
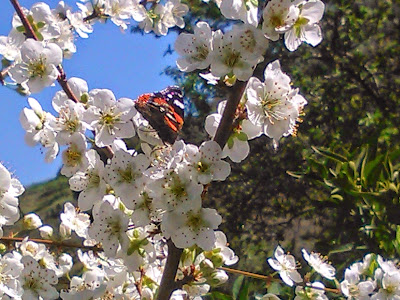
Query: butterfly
164, 111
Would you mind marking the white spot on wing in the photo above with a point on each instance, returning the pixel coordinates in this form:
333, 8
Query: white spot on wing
179, 104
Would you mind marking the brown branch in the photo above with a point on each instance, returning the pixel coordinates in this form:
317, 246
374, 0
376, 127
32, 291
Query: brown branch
168, 284
51, 243
62, 80
225, 126
29, 32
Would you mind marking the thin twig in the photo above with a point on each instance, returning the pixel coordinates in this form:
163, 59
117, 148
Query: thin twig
270, 278
51, 243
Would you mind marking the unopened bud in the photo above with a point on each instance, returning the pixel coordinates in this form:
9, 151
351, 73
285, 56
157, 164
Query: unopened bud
65, 232
32, 221
3, 248
46, 231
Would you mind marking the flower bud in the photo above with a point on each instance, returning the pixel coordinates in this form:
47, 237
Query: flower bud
218, 277
65, 231
46, 231
32, 221
3, 248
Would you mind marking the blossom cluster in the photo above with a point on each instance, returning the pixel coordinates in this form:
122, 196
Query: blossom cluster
373, 278
34, 63
235, 54
133, 202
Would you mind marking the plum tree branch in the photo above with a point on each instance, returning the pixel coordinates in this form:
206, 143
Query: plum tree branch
168, 283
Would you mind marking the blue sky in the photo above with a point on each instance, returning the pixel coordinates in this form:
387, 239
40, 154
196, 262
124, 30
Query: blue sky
128, 64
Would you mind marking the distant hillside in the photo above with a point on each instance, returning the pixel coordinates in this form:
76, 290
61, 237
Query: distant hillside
47, 199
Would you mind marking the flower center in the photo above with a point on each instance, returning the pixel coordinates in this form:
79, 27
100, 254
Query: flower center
37, 68
201, 54
270, 108
73, 156
126, 175
177, 188
71, 125
194, 221
300, 22
232, 59
277, 20
94, 180
32, 284
203, 167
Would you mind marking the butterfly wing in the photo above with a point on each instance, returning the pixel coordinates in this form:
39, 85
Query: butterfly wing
164, 111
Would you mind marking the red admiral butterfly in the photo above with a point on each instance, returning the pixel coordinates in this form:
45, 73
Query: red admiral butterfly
164, 112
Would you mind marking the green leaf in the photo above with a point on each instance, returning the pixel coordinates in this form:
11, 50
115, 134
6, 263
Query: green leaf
237, 287
40, 25
230, 142
39, 36
244, 291
345, 248
337, 197
219, 296
242, 137
20, 28
329, 154
254, 2
274, 288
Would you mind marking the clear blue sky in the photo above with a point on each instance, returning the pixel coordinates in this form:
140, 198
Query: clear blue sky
128, 64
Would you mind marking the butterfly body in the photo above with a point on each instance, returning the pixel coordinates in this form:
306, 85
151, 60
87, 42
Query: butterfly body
164, 111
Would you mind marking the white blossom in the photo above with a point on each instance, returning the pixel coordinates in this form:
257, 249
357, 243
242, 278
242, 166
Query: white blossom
177, 11
32, 221
46, 231
273, 104
228, 58
37, 68
176, 191
36, 123
10, 269
278, 17
310, 293
36, 281
285, 264
195, 49
194, 227
109, 118
10, 46
240, 10
42, 19
79, 88
75, 156
109, 228
319, 264
206, 162
90, 183
237, 146
10, 189
125, 174
74, 220
305, 28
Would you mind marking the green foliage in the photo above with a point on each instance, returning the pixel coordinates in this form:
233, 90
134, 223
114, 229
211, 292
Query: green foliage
367, 184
